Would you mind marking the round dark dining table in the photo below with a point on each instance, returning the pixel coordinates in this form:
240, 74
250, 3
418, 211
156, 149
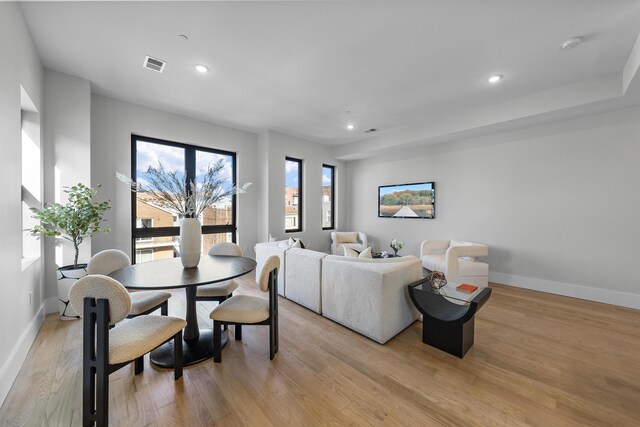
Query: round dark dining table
170, 274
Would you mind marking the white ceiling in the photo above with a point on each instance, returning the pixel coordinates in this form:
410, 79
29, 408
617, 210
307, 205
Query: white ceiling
297, 67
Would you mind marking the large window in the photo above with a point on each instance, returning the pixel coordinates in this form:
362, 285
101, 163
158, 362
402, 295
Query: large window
156, 227
293, 195
328, 192
31, 167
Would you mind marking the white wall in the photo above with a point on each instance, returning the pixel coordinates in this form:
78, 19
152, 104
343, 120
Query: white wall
67, 130
19, 319
113, 122
557, 204
279, 146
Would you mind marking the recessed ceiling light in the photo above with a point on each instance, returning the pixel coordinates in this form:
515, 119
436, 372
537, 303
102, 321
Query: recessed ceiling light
202, 68
351, 126
568, 44
495, 78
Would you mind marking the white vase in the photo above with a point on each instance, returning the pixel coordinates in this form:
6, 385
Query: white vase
67, 276
190, 242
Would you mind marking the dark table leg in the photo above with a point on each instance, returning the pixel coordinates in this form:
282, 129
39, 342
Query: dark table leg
197, 344
454, 338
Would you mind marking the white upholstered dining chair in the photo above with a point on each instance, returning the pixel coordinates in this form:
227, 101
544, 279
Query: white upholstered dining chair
249, 310
222, 290
102, 301
142, 302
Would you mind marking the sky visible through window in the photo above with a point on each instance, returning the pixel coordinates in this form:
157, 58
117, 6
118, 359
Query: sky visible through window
291, 177
172, 159
150, 154
326, 176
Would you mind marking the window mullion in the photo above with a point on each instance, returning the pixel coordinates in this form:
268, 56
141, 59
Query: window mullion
159, 234
190, 167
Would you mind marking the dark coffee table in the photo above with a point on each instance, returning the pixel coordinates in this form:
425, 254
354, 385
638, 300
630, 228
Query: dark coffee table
379, 255
448, 315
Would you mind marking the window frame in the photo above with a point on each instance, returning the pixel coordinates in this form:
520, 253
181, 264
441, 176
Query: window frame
333, 198
143, 239
300, 195
190, 174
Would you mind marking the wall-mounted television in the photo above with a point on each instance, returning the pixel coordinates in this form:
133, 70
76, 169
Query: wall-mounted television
407, 200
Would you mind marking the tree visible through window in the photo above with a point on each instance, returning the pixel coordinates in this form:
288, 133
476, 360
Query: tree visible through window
293, 195
156, 227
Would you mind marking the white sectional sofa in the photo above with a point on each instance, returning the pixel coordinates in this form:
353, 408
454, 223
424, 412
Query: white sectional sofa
303, 277
370, 296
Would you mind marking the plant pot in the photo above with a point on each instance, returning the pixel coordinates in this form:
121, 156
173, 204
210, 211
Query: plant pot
67, 276
190, 242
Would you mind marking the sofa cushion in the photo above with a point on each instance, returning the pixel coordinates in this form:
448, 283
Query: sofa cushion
295, 243
346, 237
366, 253
357, 246
350, 252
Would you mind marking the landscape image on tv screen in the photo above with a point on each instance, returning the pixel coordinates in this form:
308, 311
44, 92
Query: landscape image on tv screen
407, 200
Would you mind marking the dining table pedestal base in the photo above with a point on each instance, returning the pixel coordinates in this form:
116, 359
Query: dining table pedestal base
193, 350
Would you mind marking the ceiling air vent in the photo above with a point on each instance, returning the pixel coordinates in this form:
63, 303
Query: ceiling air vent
370, 130
154, 64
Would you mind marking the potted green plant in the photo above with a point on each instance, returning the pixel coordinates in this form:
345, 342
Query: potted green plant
79, 218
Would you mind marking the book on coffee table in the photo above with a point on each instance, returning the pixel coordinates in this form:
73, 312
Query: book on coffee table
466, 288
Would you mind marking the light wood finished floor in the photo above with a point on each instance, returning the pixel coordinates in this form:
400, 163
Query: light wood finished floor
538, 360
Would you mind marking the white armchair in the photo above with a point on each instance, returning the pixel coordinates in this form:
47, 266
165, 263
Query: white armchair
354, 240
457, 260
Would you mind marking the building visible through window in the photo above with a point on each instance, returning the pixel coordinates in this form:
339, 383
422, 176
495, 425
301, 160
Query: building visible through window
328, 192
293, 195
157, 225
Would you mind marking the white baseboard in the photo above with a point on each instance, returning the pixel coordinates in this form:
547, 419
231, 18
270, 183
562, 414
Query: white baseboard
607, 296
10, 370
